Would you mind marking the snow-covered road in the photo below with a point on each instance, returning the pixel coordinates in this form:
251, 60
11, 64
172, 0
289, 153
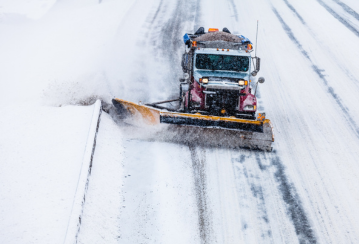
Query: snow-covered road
144, 189
305, 191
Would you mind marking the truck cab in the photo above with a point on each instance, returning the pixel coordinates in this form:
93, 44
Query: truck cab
218, 74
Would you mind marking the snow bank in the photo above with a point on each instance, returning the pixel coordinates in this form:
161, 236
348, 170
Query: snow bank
41, 152
51, 57
83, 180
104, 197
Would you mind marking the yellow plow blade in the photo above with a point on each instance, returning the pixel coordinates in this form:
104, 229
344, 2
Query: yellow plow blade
235, 132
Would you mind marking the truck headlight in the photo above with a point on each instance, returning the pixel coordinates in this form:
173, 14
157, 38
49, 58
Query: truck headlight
250, 107
242, 82
205, 80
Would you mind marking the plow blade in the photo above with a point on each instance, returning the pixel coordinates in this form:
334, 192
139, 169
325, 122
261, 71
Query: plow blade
229, 131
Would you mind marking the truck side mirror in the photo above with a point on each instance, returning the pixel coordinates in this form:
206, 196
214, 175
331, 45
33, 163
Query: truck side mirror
186, 76
258, 66
184, 62
260, 80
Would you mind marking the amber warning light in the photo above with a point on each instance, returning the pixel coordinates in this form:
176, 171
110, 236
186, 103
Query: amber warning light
212, 30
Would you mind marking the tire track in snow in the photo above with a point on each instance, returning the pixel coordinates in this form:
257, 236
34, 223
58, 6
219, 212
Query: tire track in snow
345, 70
199, 175
257, 192
172, 31
257, 181
184, 13
320, 74
196, 15
290, 6
171, 34
294, 206
234, 8
339, 18
153, 32
144, 39
171, 38
347, 9
157, 11
295, 209
251, 199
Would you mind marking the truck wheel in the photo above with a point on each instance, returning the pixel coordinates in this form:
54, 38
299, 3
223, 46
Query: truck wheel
181, 98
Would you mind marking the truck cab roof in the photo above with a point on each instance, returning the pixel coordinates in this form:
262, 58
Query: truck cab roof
217, 39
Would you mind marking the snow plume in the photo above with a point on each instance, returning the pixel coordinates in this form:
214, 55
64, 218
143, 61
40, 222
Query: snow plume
83, 90
60, 58
30, 9
185, 135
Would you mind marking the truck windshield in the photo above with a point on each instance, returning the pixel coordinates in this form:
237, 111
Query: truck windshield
222, 62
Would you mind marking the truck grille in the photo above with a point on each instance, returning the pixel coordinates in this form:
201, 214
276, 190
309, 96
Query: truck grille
224, 79
222, 99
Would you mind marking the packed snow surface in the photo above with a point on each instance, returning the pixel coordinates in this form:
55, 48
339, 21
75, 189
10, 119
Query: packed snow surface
148, 190
41, 154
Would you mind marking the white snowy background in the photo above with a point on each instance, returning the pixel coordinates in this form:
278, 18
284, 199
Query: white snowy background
57, 57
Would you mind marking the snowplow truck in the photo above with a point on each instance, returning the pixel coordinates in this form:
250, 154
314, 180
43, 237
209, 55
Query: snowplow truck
215, 91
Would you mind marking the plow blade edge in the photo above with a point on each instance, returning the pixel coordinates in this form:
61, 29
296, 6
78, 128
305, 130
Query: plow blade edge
245, 133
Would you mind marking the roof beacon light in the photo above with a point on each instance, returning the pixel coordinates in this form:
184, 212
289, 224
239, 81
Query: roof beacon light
194, 43
212, 30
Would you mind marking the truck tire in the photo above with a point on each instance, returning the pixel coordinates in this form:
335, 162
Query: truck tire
253, 116
181, 96
182, 100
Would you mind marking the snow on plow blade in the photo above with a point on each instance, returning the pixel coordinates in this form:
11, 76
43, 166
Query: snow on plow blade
252, 134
